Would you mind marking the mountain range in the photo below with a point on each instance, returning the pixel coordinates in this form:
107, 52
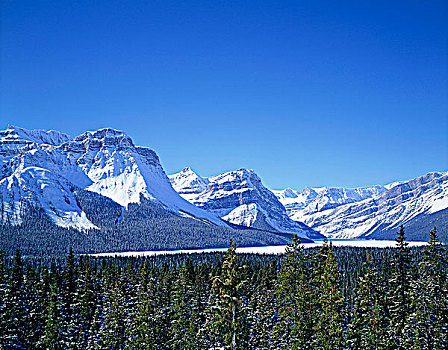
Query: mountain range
375, 211
239, 198
100, 192
338, 213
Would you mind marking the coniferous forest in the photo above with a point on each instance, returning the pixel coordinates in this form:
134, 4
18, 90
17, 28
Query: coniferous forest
322, 298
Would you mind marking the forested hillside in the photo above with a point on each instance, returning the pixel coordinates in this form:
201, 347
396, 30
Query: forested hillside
326, 298
144, 226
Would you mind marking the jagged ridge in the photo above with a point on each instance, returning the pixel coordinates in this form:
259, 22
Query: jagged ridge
238, 197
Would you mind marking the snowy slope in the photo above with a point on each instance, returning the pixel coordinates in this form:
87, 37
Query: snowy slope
351, 213
45, 168
238, 197
30, 174
312, 200
188, 184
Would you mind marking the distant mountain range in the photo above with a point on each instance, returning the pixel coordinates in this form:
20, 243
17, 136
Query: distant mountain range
338, 213
100, 192
373, 212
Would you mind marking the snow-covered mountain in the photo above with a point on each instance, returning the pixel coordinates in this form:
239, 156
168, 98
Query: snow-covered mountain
53, 171
240, 198
45, 168
368, 211
312, 200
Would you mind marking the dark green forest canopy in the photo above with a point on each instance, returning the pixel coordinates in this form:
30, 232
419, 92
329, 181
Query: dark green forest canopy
321, 298
148, 227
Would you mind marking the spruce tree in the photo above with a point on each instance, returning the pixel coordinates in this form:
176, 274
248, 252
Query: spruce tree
87, 301
3, 303
367, 324
226, 322
294, 299
399, 299
69, 324
429, 317
263, 315
184, 321
15, 306
34, 315
51, 335
328, 296
111, 334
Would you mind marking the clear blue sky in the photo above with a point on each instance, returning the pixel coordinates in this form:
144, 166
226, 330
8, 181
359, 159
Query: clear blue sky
338, 93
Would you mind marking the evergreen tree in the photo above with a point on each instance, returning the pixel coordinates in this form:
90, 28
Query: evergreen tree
69, 324
15, 301
34, 315
162, 309
263, 315
142, 334
111, 334
200, 303
294, 299
329, 301
184, 321
87, 302
400, 300
51, 337
366, 328
226, 322
429, 317
3, 303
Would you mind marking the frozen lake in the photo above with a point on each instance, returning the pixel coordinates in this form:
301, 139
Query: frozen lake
277, 249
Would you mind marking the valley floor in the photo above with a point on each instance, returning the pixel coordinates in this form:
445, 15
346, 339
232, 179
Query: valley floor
275, 249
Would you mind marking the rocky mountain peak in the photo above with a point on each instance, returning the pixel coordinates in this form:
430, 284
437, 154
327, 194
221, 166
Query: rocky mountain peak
17, 135
240, 198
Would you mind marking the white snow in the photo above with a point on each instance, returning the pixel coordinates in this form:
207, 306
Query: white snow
52, 192
277, 249
244, 215
351, 213
238, 197
44, 166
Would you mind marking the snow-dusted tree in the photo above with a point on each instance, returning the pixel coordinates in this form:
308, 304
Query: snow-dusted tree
184, 323
400, 297
429, 315
162, 307
294, 298
367, 325
3, 304
34, 315
51, 337
226, 321
328, 301
111, 335
70, 326
200, 303
263, 315
86, 301
16, 327
140, 332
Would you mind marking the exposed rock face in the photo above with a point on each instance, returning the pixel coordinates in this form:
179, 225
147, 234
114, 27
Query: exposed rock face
319, 199
48, 169
188, 184
363, 212
238, 197
45, 168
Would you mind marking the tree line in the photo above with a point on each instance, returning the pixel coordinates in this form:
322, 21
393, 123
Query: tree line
324, 298
143, 226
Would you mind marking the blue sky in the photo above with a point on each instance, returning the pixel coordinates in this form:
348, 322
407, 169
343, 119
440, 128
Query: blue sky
307, 93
